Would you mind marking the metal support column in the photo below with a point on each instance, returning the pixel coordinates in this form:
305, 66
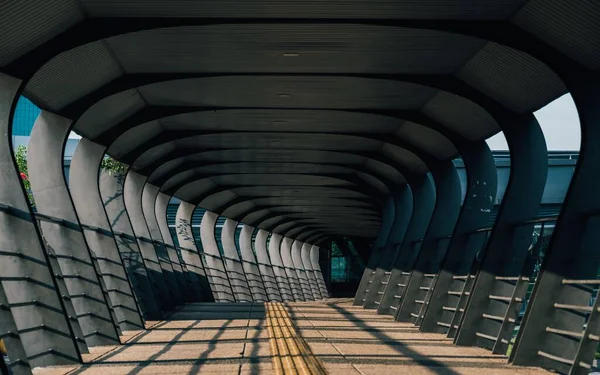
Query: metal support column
264, 266
167, 257
257, 286
234, 265
423, 204
403, 212
278, 268
143, 279
312, 280
85, 167
179, 266
434, 244
508, 245
62, 231
560, 327
158, 267
290, 270
18, 363
465, 242
314, 261
32, 311
389, 212
201, 289
300, 271
214, 263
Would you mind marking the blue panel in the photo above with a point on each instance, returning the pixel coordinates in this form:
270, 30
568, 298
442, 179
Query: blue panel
25, 115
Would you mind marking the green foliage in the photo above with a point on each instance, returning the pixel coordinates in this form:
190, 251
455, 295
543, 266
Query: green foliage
21, 158
108, 164
112, 166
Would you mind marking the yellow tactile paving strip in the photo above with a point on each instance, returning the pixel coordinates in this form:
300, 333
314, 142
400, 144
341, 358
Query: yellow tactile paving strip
291, 354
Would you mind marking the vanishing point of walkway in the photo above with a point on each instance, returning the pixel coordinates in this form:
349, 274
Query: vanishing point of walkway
294, 338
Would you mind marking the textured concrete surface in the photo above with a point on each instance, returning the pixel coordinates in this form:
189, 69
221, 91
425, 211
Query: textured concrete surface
351, 340
233, 339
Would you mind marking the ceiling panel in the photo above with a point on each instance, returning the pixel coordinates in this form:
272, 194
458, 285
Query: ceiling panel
323, 48
27, 24
283, 120
571, 26
513, 78
288, 92
428, 9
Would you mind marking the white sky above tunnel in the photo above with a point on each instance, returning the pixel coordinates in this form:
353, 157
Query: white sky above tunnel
560, 123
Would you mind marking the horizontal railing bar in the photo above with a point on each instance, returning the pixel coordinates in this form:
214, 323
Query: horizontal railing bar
482, 335
564, 332
492, 317
555, 357
538, 220
511, 278
573, 307
580, 282
503, 298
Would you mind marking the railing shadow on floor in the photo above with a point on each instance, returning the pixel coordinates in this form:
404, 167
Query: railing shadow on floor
432, 364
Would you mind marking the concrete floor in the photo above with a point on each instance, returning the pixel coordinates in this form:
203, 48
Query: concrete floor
233, 339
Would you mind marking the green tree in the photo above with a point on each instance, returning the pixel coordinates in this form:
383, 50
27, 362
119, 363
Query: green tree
112, 166
21, 158
108, 164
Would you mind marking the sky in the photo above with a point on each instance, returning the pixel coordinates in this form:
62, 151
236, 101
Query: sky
560, 124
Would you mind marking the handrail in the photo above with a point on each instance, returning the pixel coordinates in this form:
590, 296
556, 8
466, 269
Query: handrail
543, 219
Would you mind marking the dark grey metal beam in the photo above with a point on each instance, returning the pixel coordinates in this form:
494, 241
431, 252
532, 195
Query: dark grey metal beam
572, 254
200, 287
314, 261
62, 231
312, 280
233, 263
257, 285
28, 288
300, 271
278, 267
167, 255
84, 188
157, 266
508, 245
160, 209
435, 242
111, 191
389, 213
265, 267
290, 270
215, 267
464, 243
403, 199
423, 205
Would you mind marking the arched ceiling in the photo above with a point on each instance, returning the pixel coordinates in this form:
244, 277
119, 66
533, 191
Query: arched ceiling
292, 116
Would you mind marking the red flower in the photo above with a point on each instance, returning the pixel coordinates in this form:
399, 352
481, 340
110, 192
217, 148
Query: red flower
23, 176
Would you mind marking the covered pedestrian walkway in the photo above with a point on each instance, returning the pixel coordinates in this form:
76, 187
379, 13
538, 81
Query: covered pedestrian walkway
241, 339
288, 124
